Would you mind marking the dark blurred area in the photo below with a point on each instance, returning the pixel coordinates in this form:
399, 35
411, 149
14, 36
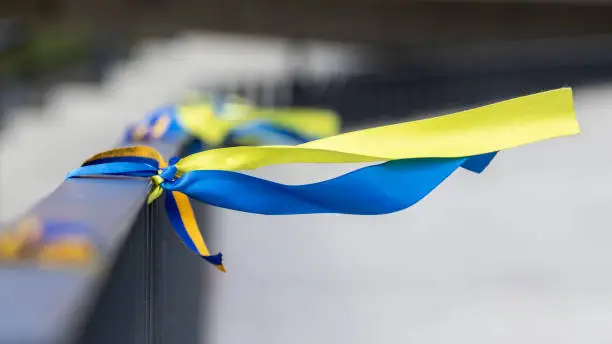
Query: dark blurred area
36, 55
427, 54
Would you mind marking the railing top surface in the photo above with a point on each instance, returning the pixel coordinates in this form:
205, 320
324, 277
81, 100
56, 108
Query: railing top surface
47, 304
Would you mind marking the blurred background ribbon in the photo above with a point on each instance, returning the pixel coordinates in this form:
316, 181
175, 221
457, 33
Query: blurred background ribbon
49, 242
217, 119
415, 157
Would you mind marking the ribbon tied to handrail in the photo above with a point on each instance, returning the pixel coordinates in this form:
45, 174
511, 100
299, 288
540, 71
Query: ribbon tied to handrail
413, 158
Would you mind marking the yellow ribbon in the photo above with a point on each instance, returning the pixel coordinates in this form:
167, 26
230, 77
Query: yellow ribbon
202, 123
481, 130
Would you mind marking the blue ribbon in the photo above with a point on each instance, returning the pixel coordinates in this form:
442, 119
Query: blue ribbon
372, 190
377, 189
262, 132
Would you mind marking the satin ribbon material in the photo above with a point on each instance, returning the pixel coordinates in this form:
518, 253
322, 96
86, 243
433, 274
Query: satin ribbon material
415, 157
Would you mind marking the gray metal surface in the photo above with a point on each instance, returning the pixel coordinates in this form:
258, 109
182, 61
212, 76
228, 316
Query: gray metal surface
154, 291
48, 306
519, 254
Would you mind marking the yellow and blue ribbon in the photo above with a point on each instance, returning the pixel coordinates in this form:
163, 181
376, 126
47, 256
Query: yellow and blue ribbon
414, 158
258, 132
49, 241
163, 122
220, 119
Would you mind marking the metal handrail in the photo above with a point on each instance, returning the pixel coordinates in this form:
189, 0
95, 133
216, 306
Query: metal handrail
54, 306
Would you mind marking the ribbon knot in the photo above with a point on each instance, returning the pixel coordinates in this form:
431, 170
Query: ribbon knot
142, 161
168, 174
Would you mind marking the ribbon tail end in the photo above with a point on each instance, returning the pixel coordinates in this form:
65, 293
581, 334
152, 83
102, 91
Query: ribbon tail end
216, 260
478, 163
